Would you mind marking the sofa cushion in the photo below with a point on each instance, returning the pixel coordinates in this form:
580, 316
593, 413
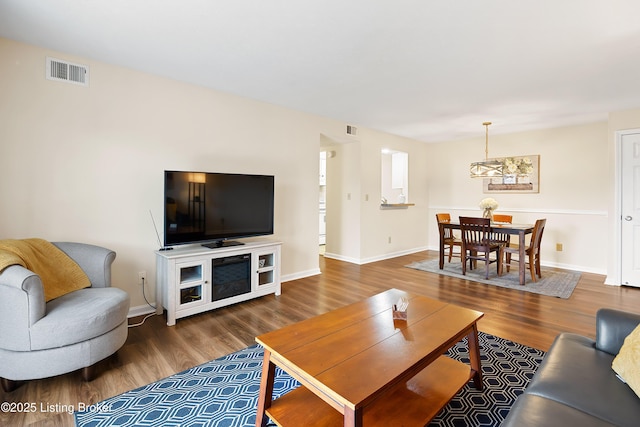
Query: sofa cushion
574, 373
79, 316
627, 362
612, 327
535, 411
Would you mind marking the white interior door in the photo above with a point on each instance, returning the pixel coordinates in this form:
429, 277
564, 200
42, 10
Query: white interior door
630, 210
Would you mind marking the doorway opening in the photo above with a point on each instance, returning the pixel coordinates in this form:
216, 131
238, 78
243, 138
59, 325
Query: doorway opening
322, 203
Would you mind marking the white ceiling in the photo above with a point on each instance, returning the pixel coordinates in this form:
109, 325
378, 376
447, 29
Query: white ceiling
425, 69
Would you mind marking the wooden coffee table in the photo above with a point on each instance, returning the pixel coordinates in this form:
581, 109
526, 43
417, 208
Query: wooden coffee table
358, 366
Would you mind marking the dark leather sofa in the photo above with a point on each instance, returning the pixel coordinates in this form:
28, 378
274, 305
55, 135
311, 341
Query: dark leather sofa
575, 385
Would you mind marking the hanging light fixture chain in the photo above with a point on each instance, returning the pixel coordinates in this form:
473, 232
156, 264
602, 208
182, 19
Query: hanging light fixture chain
487, 168
486, 143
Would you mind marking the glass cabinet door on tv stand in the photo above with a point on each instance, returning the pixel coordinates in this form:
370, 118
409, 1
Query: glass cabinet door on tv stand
194, 279
191, 285
266, 268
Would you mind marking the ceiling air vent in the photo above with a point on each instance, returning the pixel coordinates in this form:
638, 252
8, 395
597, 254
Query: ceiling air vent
351, 130
65, 71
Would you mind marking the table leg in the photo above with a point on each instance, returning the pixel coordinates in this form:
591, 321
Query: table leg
521, 253
352, 418
266, 389
474, 356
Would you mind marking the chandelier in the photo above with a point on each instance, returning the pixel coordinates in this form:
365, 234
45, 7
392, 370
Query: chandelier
487, 168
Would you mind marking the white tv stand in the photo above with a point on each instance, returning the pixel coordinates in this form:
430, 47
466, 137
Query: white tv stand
195, 279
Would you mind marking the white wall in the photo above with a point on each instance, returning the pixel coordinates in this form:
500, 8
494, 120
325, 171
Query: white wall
618, 121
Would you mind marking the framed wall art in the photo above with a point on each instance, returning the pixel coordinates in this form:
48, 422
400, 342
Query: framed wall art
521, 174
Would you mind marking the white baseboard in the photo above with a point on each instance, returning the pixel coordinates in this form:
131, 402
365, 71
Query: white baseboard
300, 275
392, 255
141, 310
612, 281
340, 257
581, 268
146, 309
374, 258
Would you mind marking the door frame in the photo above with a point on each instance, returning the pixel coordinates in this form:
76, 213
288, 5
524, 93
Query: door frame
615, 278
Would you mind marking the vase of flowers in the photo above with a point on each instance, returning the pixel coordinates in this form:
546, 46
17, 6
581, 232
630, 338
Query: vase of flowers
514, 167
488, 205
510, 178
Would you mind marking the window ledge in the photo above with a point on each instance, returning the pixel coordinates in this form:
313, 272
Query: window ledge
396, 205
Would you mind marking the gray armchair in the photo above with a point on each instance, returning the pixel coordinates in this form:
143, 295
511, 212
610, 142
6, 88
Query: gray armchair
41, 339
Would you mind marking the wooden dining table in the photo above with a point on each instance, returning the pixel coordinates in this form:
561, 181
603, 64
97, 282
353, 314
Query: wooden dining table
520, 230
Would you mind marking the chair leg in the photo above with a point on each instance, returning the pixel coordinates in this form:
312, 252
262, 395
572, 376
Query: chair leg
9, 385
89, 373
450, 252
532, 268
486, 265
463, 259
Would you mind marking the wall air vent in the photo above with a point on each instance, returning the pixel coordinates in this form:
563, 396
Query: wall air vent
65, 71
351, 130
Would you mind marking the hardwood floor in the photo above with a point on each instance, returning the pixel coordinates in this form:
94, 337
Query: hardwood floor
154, 350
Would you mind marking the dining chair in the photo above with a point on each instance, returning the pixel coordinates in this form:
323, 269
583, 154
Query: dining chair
447, 236
502, 237
507, 219
532, 251
476, 239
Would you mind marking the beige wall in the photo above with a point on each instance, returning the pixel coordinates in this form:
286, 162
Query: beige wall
574, 189
86, 164
358, 230
393, 231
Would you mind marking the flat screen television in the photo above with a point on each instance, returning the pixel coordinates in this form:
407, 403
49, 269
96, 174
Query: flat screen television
211, 208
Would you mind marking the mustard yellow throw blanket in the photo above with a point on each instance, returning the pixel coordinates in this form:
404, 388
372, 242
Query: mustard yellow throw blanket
59, 273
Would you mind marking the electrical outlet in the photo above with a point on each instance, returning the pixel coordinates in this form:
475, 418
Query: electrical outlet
142, 277
389, 239
559, 247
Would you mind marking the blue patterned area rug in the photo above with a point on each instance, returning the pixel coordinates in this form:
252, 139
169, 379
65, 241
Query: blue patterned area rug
224, 392
554, 283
